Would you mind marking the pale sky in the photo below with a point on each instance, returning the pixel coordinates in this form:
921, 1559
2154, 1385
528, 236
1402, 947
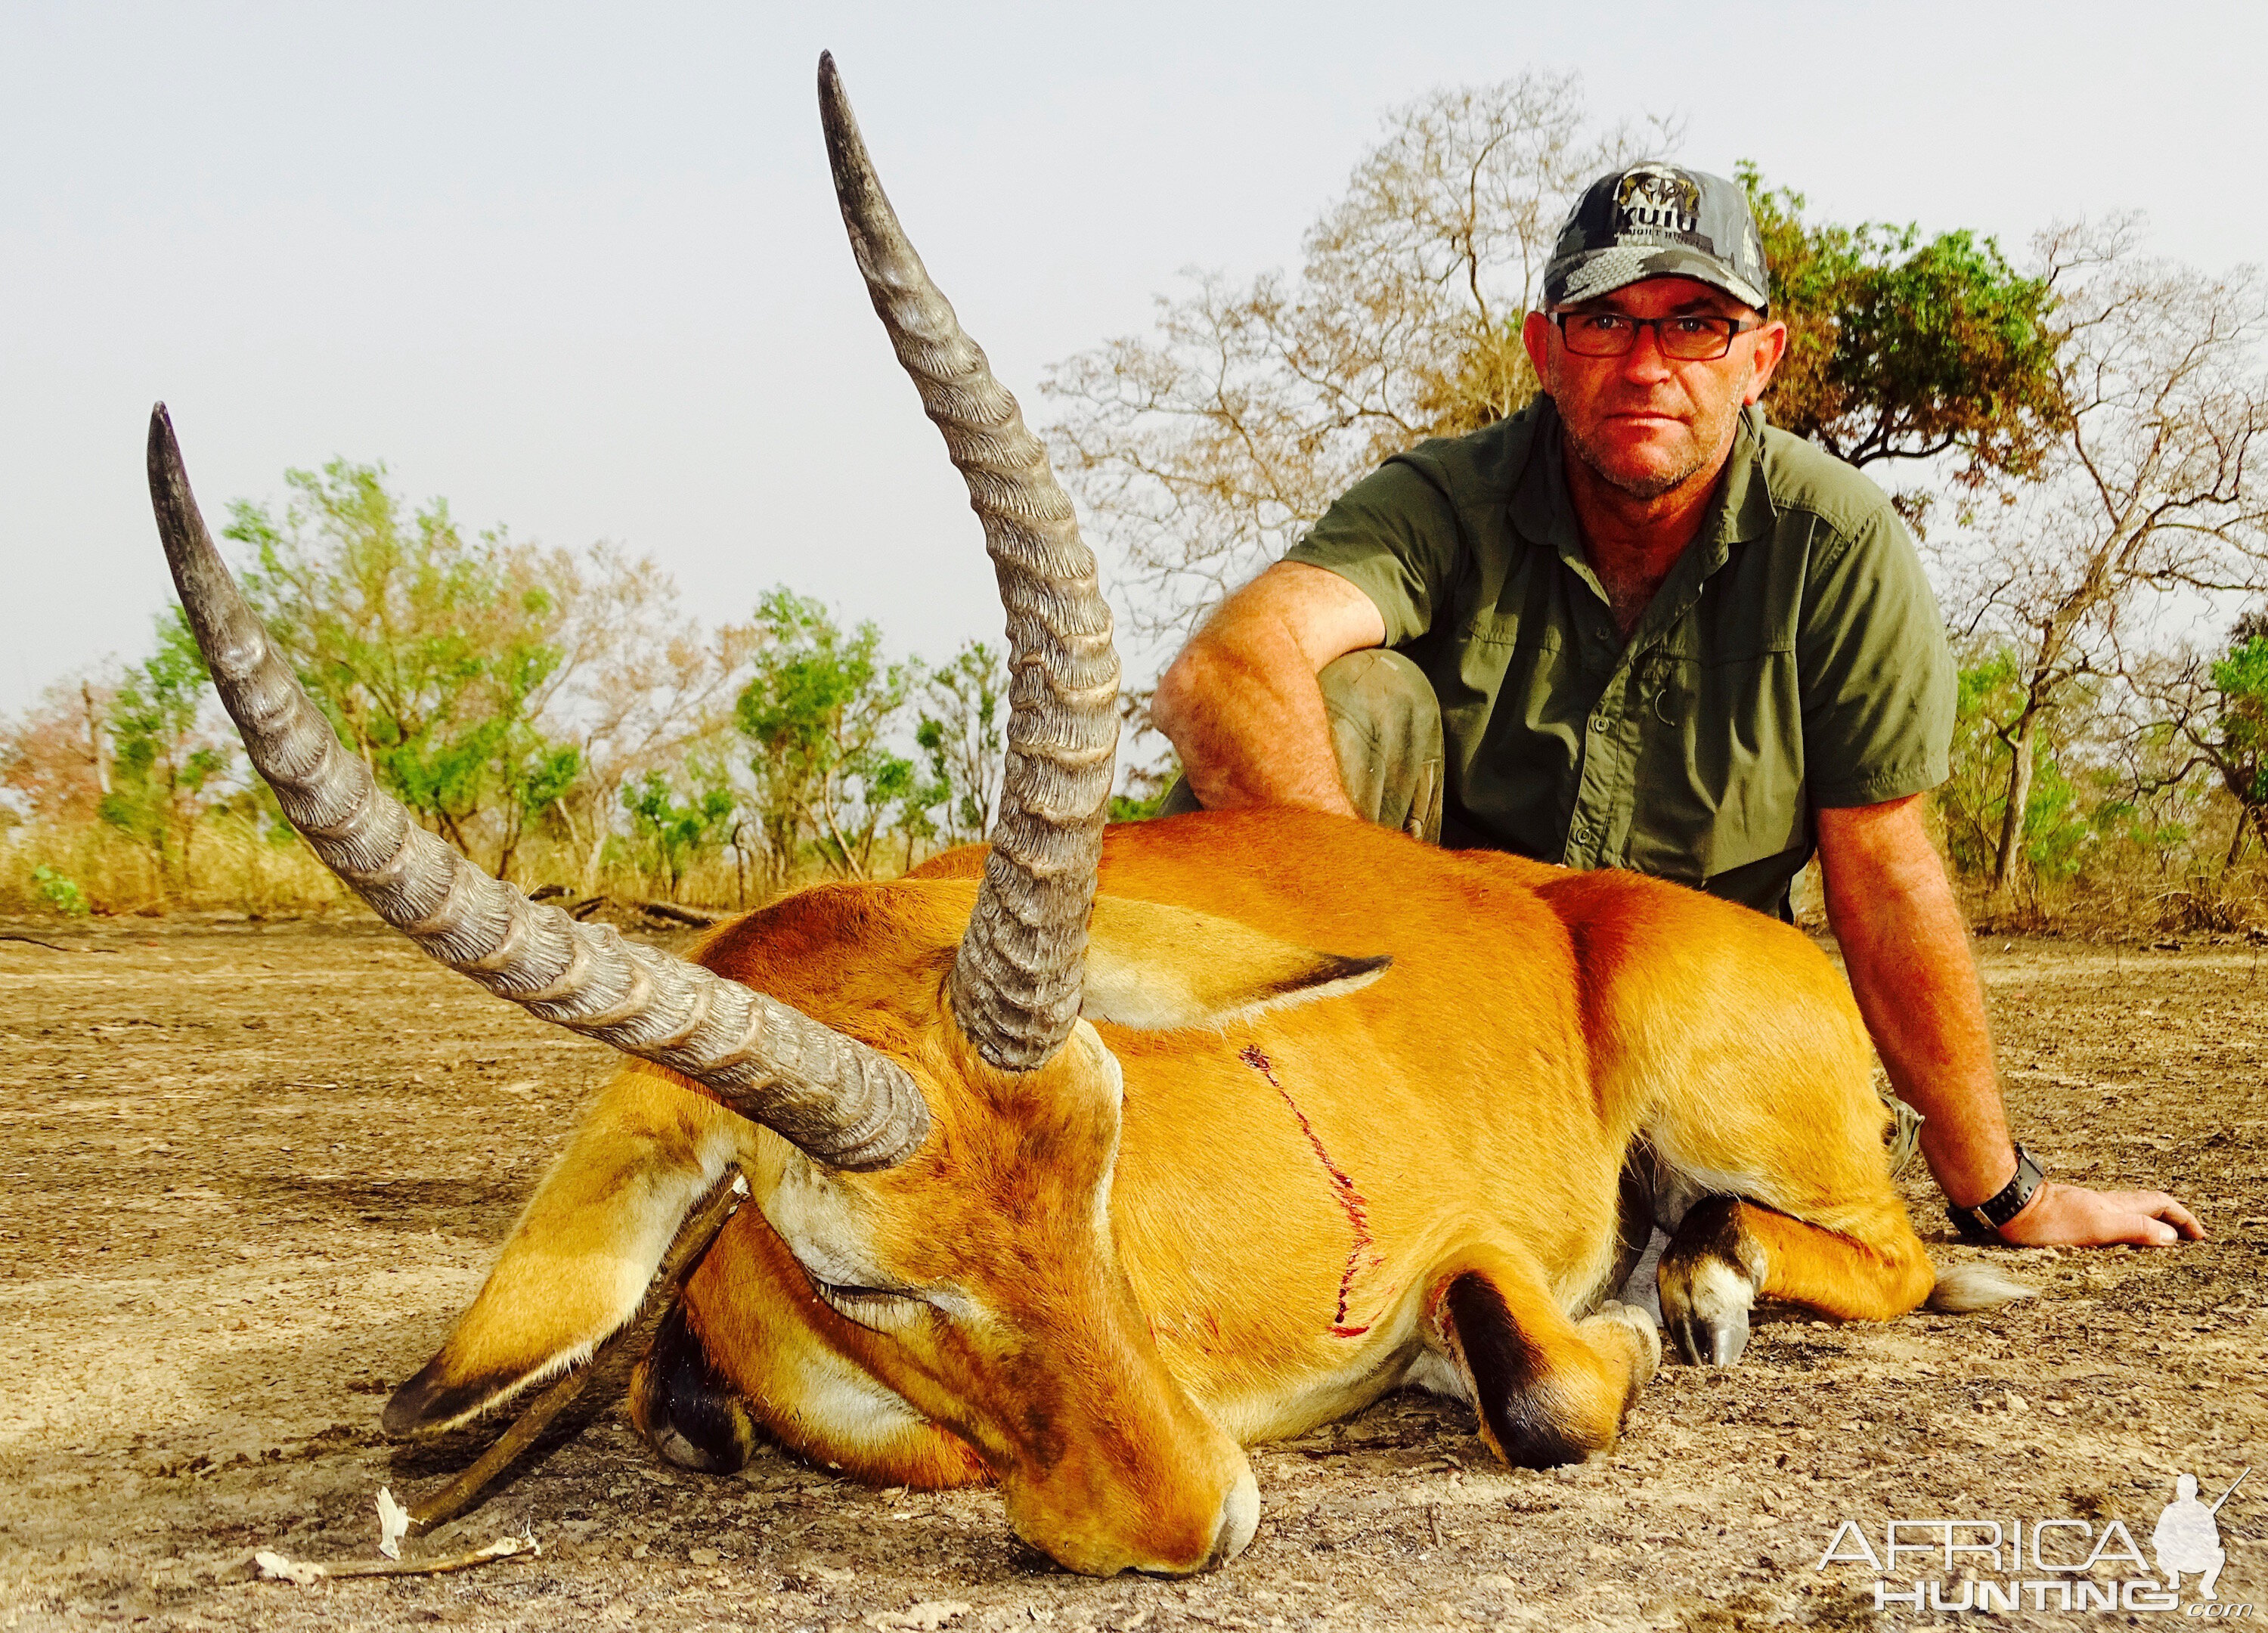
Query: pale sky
579, 269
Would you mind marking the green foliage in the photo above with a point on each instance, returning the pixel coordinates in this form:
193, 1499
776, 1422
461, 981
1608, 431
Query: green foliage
2068, 812
676, 829
2242, 681
1972, 799
1140, 807
2059, 827
1902, 346
166, 771
819, 712
60, 892
961, 733
433, 654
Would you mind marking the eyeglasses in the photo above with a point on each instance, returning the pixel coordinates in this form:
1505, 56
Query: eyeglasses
1688, 339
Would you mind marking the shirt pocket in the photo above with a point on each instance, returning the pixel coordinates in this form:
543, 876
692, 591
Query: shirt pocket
1719, 781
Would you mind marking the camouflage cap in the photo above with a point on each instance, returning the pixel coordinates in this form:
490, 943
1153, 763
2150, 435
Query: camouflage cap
1657, 220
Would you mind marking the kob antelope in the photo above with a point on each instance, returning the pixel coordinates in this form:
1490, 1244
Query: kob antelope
1082, 1160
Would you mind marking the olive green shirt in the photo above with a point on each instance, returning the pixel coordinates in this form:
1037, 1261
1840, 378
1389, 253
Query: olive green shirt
1794, 659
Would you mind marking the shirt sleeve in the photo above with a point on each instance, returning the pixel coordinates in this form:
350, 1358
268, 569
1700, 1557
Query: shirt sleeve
1394, 535
1876, 669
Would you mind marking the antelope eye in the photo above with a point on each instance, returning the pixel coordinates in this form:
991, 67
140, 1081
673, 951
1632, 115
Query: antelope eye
878, 1309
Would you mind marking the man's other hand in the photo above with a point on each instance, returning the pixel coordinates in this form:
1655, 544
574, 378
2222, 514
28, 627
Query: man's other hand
2072, 1215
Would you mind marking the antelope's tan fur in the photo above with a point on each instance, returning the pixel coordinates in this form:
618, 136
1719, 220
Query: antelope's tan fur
1077, 1191
1123, 1286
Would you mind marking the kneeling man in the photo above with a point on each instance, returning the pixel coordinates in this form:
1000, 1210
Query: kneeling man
1634, 626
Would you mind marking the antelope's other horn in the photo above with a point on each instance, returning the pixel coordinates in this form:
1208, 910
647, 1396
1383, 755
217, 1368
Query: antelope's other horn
1016, 979
845, 1104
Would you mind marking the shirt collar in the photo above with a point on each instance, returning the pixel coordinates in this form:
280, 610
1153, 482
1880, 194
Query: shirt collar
1743, 508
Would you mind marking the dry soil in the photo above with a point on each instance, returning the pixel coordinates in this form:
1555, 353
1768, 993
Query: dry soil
253, 1171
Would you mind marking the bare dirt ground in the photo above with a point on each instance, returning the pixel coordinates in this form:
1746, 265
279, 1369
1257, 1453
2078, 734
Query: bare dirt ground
253, 1171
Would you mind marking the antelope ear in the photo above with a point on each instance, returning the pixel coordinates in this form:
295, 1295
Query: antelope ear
576, 1265
1160, 968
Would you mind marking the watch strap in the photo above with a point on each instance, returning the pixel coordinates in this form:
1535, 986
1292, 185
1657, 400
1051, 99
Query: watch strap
1983, 1222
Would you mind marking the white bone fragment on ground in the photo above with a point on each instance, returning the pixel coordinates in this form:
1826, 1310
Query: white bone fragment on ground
276, 1568
392, 1524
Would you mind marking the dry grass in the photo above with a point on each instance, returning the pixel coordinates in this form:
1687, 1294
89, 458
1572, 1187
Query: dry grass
230, 867
238, 868
235, 867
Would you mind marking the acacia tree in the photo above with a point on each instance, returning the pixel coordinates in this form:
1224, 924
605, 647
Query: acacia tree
1203, 450
1902, 348
2150, 491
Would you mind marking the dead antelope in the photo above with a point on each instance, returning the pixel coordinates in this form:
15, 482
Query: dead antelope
1076, 1166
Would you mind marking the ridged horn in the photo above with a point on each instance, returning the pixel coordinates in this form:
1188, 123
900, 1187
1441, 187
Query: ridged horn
1015, 981
847, 1105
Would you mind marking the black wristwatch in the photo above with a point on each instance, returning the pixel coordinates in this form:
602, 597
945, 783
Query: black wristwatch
1982, 1223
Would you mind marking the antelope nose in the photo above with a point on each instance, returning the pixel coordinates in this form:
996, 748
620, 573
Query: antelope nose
1239, 1518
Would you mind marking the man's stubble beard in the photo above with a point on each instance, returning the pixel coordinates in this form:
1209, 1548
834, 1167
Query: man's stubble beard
1705, 452
1648, 486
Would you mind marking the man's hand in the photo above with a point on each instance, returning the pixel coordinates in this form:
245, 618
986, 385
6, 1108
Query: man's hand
1907, 951
1240, 704
2072, 1215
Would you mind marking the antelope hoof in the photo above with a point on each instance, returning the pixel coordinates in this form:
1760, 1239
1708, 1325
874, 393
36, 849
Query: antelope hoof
1646, 1358
1708, 1281
685, 1409
1705, 1303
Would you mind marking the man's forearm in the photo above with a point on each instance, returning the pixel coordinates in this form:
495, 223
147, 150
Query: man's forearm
1260, 738
1241, 705
1907, 952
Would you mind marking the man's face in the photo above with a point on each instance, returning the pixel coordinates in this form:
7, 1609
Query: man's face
1645, 423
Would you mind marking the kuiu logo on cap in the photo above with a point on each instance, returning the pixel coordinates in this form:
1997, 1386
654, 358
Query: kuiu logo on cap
1655, 199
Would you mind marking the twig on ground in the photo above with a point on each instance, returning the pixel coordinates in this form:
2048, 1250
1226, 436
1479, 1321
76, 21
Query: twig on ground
693, 1239
32, 940
669, 912
277, 1568
584, 909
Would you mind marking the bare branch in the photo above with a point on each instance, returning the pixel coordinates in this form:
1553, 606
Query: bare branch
1204, 449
